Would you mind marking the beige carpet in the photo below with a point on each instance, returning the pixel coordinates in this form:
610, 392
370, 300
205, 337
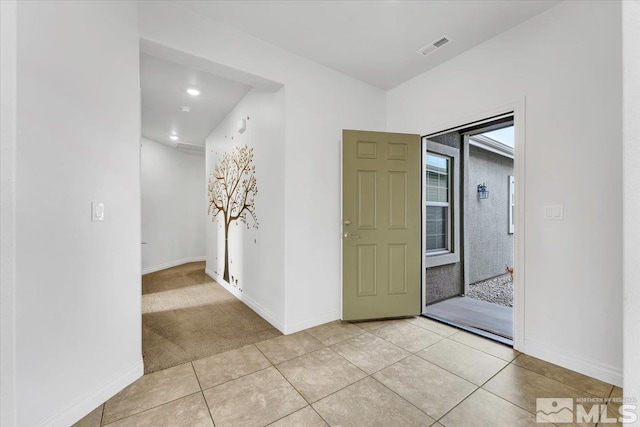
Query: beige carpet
186, 316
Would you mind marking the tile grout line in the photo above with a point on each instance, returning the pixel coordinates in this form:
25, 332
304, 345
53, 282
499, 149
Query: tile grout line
287, 380
153, 407
443, 338
102, 413
388, 366
610, 394
372, 332
486, 352
233, 379
272, 362
237, 378
415, 354
510, 362
456, 329
321, 417
455, 374
557, 380
479, 388
403, 398
348, 385
362, 331
513, 403
458, 404
202, 393
374, 379
561, 382
193, 368
502, 398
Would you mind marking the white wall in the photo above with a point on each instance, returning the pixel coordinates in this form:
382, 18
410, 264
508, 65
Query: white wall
319, 103
8, 60
78, 282
256, 255
566, 62
631, 192
173, 206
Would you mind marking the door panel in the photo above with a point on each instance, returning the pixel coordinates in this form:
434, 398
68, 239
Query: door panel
382, 250
397, 269
367, 271
398, 209
367, 192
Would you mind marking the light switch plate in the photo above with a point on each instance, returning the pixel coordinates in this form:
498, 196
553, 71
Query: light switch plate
97, 211
554, 212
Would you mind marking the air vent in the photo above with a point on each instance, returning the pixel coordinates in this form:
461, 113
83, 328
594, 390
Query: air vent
432, 47
190, 148
441, 42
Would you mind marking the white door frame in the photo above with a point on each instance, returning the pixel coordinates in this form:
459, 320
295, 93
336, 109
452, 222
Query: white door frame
8, 49
516, 107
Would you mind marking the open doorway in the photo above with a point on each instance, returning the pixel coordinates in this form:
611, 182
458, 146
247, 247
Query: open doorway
192, 146
469, 226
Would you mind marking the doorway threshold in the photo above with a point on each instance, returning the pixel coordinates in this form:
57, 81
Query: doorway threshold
488, 320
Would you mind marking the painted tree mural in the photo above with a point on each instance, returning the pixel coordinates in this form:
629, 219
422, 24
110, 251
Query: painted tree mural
232, 190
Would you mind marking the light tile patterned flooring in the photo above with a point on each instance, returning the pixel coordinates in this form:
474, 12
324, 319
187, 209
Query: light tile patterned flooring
410, 372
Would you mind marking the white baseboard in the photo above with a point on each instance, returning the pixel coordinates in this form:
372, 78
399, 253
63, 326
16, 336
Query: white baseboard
263, 312
609, 374
277, 323
170, 264
79, 408
310, 322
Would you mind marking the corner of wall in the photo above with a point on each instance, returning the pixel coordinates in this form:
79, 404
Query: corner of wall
265, 313
76, 410
631, 195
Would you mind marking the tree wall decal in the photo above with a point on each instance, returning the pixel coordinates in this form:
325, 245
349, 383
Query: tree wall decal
232, 190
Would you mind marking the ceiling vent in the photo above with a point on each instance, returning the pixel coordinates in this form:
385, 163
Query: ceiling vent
190, 148
432, 47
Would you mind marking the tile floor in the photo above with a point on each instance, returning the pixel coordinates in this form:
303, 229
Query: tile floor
410, 372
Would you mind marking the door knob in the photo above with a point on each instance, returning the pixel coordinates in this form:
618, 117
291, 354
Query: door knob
348, 235
347, 222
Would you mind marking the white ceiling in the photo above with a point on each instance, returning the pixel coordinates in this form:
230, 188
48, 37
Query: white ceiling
164, 87
373, 41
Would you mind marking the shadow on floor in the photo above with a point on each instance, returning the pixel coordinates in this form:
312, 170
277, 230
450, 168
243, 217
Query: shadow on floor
472, 313
188, 316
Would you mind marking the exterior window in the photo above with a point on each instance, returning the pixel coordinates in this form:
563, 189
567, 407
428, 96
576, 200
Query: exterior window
441, 208
438, 212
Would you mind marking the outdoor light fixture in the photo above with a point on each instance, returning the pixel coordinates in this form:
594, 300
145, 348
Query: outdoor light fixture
483, 193
173, 137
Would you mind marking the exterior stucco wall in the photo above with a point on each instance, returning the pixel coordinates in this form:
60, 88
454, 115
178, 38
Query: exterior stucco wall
489, 243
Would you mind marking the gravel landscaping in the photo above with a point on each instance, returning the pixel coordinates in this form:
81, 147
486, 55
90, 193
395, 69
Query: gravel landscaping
498, 290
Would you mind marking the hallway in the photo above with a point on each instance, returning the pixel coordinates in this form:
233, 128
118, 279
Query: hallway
186, 316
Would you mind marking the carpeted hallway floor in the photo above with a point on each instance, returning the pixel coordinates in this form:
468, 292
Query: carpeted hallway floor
186, 316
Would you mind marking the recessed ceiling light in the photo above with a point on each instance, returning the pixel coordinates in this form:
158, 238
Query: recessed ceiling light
174, 137
185, 109
193, 91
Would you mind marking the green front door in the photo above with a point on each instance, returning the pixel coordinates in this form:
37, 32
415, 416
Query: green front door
381, 251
